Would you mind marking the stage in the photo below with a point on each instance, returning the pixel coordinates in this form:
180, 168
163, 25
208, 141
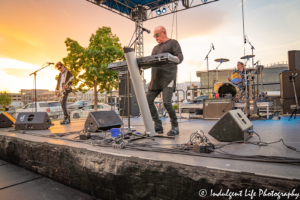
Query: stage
111, 173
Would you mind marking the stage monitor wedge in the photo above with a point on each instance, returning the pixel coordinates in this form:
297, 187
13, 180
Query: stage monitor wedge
233, 126
6, 120
102, 120
33, 121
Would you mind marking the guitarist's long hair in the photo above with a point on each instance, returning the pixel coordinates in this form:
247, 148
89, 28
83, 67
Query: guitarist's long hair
60, 63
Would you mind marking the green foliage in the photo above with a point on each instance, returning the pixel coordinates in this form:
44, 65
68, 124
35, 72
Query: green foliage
89, 65
175, 106
5, 99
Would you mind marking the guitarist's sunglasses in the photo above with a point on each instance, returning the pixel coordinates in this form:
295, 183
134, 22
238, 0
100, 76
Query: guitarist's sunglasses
59, 67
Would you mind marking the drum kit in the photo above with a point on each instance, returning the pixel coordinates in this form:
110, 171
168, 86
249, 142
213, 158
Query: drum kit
237, 89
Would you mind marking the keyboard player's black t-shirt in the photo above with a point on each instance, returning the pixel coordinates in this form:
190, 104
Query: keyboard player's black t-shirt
162, 76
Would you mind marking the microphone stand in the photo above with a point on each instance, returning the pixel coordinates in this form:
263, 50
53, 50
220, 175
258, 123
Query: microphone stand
34, 73
133, 42
252, 48
206, 58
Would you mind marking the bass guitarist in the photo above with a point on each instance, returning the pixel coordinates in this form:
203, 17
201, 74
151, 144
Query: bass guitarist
63, 89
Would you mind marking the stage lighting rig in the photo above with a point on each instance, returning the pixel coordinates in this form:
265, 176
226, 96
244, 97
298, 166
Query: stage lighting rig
158, 12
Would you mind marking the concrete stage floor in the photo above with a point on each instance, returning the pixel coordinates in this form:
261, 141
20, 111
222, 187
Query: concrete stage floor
269, 131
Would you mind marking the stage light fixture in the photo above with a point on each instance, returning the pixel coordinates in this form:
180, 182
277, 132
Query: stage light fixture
205, 1
158, 12
164, 10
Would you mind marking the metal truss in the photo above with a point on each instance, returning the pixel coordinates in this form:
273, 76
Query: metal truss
129, 10
139, 44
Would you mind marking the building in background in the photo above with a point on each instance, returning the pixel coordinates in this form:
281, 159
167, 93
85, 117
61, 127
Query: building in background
15, 97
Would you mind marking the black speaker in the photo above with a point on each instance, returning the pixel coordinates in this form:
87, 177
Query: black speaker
294, 60
33, 121
6, 120
134, 106
213, 108
286, 84
123, 84
233, 126
102, 120
287, 105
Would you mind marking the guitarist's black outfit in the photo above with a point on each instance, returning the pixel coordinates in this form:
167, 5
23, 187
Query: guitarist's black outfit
62, 79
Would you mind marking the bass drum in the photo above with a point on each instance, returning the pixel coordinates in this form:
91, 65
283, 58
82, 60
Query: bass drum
228, 88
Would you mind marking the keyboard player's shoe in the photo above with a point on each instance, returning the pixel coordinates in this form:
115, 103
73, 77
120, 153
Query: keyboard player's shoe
174, 131
158, 128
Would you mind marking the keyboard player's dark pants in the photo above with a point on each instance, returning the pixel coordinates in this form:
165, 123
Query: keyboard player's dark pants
167, 97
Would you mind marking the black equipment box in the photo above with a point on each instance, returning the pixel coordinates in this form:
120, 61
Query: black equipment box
294, 60
288, 105
286, 84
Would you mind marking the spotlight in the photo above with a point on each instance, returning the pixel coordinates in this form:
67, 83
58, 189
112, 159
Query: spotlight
158, 12
164, 10
205, 1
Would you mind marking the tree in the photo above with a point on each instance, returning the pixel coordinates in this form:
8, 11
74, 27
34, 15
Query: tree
5, 99
89, 65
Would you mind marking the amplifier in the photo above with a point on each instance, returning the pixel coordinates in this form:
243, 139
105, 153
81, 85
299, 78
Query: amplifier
294, 60
216, 108
286, 84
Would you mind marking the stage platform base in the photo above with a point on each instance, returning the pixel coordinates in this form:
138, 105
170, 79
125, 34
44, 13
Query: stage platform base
109, 173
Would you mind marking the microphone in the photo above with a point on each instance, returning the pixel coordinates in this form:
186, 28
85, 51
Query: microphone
49, 63
213, 46
144, 29
256, 62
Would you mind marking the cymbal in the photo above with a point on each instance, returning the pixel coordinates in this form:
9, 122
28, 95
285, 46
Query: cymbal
222, 60
248, 56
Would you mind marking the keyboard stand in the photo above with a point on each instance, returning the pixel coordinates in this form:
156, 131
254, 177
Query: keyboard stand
139, 90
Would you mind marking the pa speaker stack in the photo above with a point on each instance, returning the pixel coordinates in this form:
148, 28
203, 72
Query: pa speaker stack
6, 120
287, 94
33, 121
102, 120
233, 126
133, 109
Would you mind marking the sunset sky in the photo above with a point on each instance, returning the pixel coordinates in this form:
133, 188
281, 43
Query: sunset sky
33, 32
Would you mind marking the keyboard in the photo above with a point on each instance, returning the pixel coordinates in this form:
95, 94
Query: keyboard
147, 62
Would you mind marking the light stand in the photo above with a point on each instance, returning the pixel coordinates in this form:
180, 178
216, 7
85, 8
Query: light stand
296, 98
206, 58
34, 73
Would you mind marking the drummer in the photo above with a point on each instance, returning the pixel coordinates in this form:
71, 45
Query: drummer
239, 81
240, 67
